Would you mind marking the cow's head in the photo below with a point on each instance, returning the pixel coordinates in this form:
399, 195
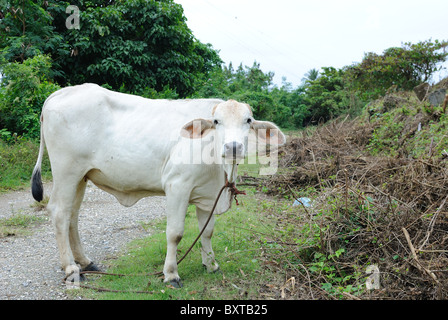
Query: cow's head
231, 123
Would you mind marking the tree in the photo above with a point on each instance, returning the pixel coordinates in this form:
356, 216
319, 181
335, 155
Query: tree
250, 85
404, 67
23, 91
325, 97
26, 31
310, 76
132, 45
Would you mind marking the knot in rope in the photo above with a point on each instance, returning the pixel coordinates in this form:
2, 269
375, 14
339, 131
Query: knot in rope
234, 191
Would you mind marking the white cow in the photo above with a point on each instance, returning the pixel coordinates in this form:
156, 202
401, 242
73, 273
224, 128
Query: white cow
134, 147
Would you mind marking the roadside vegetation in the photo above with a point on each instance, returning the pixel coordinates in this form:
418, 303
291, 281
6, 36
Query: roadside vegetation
365, 162
18, 224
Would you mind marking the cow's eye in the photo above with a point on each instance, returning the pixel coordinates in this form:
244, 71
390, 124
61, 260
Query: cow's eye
249, 120
215, 122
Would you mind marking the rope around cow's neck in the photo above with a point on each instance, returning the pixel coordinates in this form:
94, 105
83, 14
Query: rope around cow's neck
234, 192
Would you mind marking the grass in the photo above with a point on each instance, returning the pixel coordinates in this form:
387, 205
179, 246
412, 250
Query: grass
18, 224
17, 160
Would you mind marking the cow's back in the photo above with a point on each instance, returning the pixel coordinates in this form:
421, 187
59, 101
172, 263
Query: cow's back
91, 107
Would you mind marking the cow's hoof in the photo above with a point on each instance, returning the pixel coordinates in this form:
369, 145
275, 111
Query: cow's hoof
91, 267
211, 270
176, 283
218, 271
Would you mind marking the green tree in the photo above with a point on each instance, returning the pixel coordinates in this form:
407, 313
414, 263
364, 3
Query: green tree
26, 31
138, 44
310, 76
132, 44
253, 86
23, 91
404, 67
325, 97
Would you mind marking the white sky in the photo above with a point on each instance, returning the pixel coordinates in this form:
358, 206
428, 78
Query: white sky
290, 37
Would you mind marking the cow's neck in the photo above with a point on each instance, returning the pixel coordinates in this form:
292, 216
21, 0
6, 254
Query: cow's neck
231, 171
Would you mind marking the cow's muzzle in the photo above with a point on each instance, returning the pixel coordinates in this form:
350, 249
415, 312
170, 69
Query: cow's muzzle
233, 150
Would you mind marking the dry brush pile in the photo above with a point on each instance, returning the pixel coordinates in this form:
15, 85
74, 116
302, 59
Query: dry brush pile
391, 212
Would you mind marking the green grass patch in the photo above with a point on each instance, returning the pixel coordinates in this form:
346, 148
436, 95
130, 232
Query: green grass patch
17, 160
18, 224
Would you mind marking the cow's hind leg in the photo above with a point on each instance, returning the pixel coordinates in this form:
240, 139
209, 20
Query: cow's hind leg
208, 256
75, 242
66, 197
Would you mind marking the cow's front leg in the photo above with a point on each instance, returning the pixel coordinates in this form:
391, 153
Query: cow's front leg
176, 211
208, 256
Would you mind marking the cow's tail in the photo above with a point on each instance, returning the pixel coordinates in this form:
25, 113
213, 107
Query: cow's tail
37, 188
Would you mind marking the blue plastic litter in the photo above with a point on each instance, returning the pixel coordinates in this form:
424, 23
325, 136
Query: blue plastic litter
306, 202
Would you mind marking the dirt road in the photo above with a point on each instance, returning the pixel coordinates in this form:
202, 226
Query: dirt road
29, 265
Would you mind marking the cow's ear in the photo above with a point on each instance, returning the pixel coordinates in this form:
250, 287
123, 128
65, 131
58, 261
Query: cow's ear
268, 133
196, 129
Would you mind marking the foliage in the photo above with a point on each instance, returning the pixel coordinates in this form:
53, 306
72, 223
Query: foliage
311, 75
251, 85
139, 44
23, 91
145, 47
135, 44
325, 96
411, 129
26, 31
404, 67
368, 210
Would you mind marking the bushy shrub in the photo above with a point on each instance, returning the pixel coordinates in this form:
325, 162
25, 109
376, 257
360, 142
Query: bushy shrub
23, 91
403, 67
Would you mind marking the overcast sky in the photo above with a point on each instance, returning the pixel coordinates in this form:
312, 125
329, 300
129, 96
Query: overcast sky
290, 37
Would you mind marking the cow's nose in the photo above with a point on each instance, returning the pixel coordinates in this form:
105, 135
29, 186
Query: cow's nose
233, 150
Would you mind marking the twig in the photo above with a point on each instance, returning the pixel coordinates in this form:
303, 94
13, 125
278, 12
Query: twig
387, 194
346, 193
414, 255
433, 251
348, 295
248, 184
299, 201
432, 223
115, 291
315, 168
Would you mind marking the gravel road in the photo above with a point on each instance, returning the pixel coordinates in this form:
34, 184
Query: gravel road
29, 265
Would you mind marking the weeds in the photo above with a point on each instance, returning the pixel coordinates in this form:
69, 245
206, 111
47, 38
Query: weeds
17, 224
17, 160
388, 212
